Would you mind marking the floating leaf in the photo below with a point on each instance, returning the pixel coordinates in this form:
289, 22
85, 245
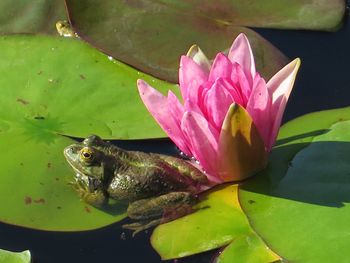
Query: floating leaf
14, 257
217, 222
66, 86
300, 204
248, 248
52, 86
23, 16
151, 35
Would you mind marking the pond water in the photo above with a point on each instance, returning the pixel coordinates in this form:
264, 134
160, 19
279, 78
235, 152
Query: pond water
323, 83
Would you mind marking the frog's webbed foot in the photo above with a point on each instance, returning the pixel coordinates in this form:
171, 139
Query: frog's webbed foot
137, 227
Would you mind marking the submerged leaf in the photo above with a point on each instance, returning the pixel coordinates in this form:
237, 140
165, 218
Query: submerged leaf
23, 16
304, 193
152, 35
52, 86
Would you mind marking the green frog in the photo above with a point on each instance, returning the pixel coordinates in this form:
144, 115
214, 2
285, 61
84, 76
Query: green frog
156, 187
65, 29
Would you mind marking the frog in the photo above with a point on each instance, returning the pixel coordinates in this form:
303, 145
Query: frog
156, 188
65, 29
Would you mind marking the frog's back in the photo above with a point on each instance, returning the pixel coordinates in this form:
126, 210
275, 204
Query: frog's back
143, 175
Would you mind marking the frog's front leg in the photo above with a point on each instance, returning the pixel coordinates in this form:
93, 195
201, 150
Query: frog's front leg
153, 211
94, 197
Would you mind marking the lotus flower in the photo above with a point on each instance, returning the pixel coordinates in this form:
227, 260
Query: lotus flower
230, 116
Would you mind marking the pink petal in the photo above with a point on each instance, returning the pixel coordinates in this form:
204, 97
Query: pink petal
240, 80
241, 53
191, 76
199, 57
259, 106
217, 102
202, 95
175, 106
280, 86
191, 106
157, 105
177, 111
203, 139
241, 150
221, 68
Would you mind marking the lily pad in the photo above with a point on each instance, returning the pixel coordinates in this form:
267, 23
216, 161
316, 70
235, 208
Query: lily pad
300, 204
50, 87
218, 221
14, 257
23, 16
248, 248
152, 35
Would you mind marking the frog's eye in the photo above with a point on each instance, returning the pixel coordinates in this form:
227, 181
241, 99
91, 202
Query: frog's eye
87, 155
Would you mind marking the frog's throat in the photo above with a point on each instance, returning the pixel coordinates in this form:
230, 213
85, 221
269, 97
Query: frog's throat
92, 183
82, 177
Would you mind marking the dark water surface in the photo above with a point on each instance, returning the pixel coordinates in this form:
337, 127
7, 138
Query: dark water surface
323, 83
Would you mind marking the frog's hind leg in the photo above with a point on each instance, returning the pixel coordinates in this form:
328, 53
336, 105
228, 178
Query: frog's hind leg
185, 168
157, 210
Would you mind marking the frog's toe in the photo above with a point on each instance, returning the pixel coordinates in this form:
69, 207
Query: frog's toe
137, 227
79, 188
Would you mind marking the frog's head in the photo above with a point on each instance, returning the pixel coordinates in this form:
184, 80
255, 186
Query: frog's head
88, 159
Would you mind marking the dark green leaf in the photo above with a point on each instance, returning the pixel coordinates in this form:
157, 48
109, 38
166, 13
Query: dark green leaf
38, 16
152, 35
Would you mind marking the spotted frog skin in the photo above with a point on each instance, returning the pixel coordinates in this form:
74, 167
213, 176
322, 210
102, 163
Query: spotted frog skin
153, 185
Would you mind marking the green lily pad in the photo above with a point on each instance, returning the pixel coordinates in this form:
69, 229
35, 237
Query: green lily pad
50, 87
218, 221
300, 204
14, 257
152, 35
248, 248
23, 16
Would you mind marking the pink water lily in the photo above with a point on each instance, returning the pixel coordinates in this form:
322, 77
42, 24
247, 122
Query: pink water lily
227, 109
